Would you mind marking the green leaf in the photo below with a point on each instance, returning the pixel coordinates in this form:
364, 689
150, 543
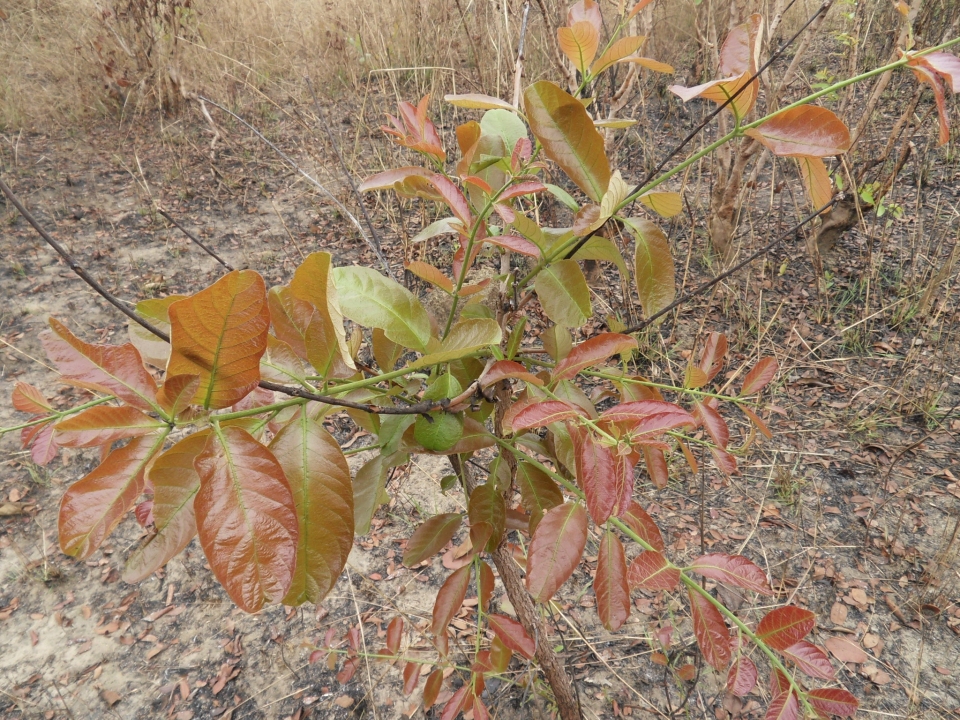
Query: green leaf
466, 337
601, 248
368, 487
653, 265
372, 300
568, 136
564, 294
477, 101
506, 125
565, 198
438, 432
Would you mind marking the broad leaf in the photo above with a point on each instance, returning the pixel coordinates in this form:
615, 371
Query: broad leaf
555, 550
656, 463
785, 706
430, 274
394, 635
372, 300
177, 392
112, 369
734, 570
740, 87
810, 659
154, 350
449, 599
368, 490
507, 369
175, 484
563, 293
540, 414
93, 506
741, 48
742, 677
653, 266
438, 432
713, 423
487, 506
476, 101
579, 42
512, 635
833, 701
319, 479
220, 334
290, 317
538, 492
601, 248
26, 398
610, 583
465, 338
568, 136
785, 626
313, 282
758, 378
102, 425
432, 535
246, 518
816, 179
615, 53
592, 352
710, 630
411, 676
805, 130
598, 475
651, 571
387, 179
714, 351
638, 520
664, 204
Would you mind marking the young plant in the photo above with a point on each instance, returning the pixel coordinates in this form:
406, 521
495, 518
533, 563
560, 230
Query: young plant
229, 446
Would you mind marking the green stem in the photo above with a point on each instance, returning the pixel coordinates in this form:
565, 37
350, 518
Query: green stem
56, 415
273, 407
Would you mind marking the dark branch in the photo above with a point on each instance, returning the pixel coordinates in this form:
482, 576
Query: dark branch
209, 251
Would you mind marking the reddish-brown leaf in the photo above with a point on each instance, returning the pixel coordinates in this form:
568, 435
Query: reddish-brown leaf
556, 549
588, 10
785, 706
758, 378
810, 659
740, 87
450, 598
93, 506
485, 586
610, 583
816, 180
741, 48
349, 669
742, 677
504, 369
175, 483
592, 352
714, 351
710, 630
453, 198
651, 571
177, 392
246, 518
525, 188
805, 130
113, 369
597, 475
428, 539
319, 480
757, 421
945, 65
713, 422
220, 334
785, 626
724, 460
387, 179
926, 75
833, 701
579, 43
41, 441
734, 570
432, 275
619, 50
102, 425
779, 683
846, 650
516, 243
486, 505
457, 704
538, 492
290, 317
432, 689
656, 463
326, 339
394, 635
638, 520
512, 635
543, 413
26, 398
411, 676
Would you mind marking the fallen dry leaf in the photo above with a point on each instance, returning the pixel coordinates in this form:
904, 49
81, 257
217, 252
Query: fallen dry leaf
838, 613
344, 701
870, 640
846, 650
110, 697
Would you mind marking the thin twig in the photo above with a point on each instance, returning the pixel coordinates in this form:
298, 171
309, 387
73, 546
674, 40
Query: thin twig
290, 161
739, 266
208, 250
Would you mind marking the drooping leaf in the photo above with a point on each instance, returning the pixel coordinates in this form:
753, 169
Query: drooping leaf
621, 49
319, 479
485, 586
710, 630
487, 506
93, 506
758, 378
742, 677
313, 281
26, 398
568, 136
592, 352
601, 248
394, 635
372, 300
740, 87
579, 43
816, 179
102, 425
175, 484
713, 354
833, 701
512, 635
610, 583
505, 369
432, 688
638, 520
656, 463
651, 571
740, 51
432, 535
664, 204
597, 475
430, 274
368, 487
564, 294
734, 570
41, 441
785, 626
411, 676
805, 130
713, 422
477, 101
785, 706
112, 369
387, 179
758, 423
246, 518
538, 492
449, 599
810, 659
154, 350
726, 462
555, 550
653, 266
220, 334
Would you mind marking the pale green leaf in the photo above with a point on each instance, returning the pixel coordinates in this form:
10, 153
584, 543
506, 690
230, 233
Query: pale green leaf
564, 294
375, 301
